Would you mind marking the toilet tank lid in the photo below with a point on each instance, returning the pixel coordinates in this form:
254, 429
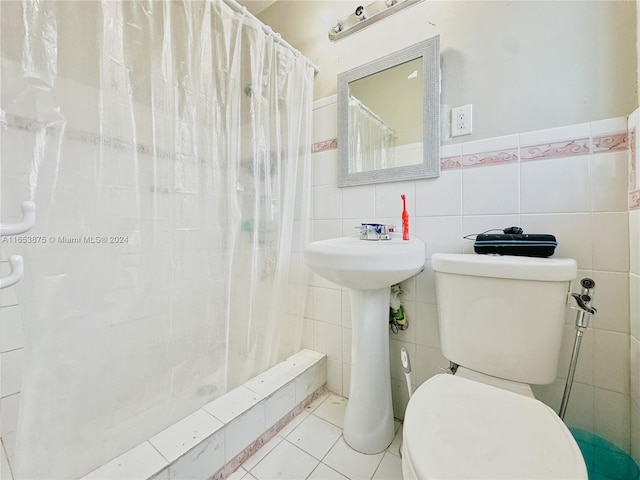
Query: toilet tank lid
506, 266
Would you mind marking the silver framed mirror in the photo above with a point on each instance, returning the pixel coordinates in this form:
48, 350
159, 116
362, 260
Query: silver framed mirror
389, 117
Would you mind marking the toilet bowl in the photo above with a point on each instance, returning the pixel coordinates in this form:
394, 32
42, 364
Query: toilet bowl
456, 428
501, 321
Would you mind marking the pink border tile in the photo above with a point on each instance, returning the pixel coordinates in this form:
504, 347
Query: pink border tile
91, 138
634, 199
23, 123
632, 142
490, 158
451, 163
325, 145
612, 142
618, 141
566, 148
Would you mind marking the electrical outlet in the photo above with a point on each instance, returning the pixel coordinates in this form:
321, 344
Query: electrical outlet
461, 121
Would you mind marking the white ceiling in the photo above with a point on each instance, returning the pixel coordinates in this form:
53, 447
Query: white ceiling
256, 6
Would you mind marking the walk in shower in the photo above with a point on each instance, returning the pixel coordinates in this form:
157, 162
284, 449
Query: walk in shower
167, 148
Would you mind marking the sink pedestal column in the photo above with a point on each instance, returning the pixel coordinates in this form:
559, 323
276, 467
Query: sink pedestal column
368, 420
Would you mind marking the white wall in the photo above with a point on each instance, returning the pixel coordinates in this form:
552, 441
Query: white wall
523, 65
576, 189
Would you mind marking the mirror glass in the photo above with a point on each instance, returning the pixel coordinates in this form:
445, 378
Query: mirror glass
388, 124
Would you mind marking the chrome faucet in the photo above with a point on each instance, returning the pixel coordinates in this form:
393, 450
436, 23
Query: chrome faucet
376, 231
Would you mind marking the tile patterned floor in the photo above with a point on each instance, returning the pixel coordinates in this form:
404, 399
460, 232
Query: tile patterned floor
311, 447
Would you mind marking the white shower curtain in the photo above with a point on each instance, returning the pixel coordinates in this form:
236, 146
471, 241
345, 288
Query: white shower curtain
167, 148
372, 140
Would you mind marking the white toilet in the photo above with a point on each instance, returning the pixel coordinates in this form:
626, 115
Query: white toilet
501, 320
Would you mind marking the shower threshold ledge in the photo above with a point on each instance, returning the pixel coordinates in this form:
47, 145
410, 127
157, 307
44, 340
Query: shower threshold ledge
212, 442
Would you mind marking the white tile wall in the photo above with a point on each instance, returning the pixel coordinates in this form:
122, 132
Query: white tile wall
243, 430
491, 190
326, 170
610, 241
608, 182
358, 203
327, 203
280, 403
561, 186
611, 361
634, 240
203, 459
186, 434
443, 197
326, 130
552, 186
572, 230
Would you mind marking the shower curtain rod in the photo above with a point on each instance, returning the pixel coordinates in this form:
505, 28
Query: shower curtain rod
375, 116
269, 31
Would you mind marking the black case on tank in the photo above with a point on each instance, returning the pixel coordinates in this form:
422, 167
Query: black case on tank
524, 245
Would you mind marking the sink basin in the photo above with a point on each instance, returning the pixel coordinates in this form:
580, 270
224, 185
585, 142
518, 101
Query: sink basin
366, 265
368, 269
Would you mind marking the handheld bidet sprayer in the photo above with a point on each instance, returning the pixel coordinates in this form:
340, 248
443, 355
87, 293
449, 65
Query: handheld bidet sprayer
406, 368
583, 304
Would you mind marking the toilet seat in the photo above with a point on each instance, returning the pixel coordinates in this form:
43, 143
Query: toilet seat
457, 428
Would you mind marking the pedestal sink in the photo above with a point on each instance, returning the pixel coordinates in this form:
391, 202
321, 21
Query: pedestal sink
368, 269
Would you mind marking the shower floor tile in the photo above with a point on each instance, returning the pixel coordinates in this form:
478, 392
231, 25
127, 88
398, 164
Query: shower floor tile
311, 447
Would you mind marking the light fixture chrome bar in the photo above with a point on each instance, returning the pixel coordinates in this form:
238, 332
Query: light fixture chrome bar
269, 31
365, 16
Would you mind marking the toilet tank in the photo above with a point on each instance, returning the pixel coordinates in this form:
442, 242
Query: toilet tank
503, 315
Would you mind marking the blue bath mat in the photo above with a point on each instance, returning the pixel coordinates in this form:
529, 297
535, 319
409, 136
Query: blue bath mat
604, 460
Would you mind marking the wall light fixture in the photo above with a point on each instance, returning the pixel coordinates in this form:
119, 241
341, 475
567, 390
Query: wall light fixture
363, 16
